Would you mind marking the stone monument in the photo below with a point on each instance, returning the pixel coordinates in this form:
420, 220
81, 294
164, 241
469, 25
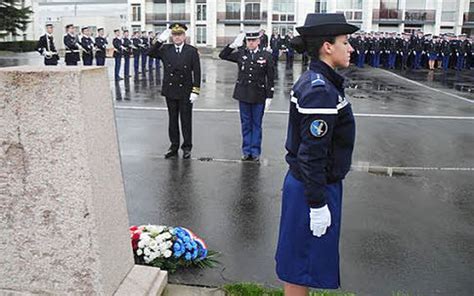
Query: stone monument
64, 223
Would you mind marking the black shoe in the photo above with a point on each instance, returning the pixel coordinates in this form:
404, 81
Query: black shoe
246, 158
171, 154
256, 158
186, 154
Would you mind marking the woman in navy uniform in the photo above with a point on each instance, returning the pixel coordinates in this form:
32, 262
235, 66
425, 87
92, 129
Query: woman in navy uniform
253, 90
320, 141
181, 84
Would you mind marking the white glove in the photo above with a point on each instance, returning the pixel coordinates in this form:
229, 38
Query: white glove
193, 97
238, 41
164, 36
268, 103
319, 220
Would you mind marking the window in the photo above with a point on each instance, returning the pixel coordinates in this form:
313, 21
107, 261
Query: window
388, 4
201, 12
283, 29
178, 10
419, 4
321, 6
283, 11
159, 28
232, 10
349, 4
136, 13
252, 11
201, 35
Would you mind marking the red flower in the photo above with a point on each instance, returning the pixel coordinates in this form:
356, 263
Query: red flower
135, 236
133, 228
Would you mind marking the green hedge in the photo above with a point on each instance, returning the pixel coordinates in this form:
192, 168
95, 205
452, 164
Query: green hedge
18, 46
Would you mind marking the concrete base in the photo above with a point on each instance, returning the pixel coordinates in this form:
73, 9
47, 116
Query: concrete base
180, 290
143, 281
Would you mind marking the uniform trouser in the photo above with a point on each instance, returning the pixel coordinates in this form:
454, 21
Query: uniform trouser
376, 60
87, 60
404, 60
251, 116
144, 60
417, 63
70, 60
150, 63
290, 56
51, 62
118, 62
136, 63
126, 66
460, 62
275, 54
445, 62
157, 64
100, 61
361, 59
182, 109
392, 57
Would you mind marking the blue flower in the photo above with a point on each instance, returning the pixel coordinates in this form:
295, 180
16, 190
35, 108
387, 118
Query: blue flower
203, 253
178, 249
195, 253
187, 256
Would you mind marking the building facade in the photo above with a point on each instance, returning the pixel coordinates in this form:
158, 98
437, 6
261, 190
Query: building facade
214, 23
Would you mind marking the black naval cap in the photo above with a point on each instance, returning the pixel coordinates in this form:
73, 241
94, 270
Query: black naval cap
100, 29
49, 25
178, 28
84, 28
326, 24
69, 26
252, 35
125, 30
116, 30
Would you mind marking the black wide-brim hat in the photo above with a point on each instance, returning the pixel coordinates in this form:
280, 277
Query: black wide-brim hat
326, 24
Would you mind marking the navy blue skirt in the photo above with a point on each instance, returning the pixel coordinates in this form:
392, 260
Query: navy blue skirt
301, 258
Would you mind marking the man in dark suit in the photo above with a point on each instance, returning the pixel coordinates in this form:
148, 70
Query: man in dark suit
101, 47
253, 90
88, 44
118, 52
46, 47
181, 84
72, 47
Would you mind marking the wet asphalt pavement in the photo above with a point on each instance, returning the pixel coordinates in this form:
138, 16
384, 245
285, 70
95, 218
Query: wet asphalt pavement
408, 222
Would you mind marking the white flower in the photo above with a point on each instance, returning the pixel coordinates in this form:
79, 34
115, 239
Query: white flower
159, 238
167, 235
163, 247
167, 253
147, 259
161, 228
139, 252
153, 244
141, 244
147, 251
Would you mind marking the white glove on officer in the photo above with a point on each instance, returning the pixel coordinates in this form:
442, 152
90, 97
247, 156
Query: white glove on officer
319, 220
268, 103
193, 97
238, 41
164, 36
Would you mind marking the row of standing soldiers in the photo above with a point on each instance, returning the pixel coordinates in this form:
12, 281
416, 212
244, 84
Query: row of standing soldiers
412, 50
85, 47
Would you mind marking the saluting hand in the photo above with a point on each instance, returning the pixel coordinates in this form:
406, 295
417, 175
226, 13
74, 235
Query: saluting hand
238, 41
319, 220
164, 36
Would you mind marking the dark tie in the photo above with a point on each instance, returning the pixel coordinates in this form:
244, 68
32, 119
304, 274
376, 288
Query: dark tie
177, 50
252, 54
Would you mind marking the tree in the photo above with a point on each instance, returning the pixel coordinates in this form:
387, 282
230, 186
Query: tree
14, 17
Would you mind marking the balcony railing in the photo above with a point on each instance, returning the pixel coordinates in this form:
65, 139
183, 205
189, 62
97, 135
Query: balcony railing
387, 15
249, 16
179, 16
420, 16
155, 17
469, 17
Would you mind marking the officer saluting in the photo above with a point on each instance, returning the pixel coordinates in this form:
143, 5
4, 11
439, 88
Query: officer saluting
101, 47
253, 90
181, 84
46, 48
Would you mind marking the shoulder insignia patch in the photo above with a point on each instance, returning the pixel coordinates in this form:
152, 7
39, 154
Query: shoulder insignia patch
318, 128
317, 80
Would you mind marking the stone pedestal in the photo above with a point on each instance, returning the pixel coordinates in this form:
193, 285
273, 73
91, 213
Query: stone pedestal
64, 223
